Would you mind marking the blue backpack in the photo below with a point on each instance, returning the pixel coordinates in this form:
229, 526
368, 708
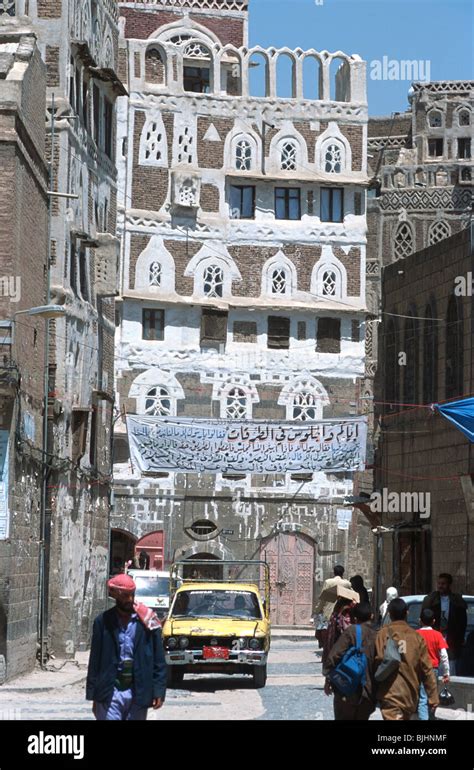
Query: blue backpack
349, 674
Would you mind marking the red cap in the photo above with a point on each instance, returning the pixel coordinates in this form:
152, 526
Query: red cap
122, 582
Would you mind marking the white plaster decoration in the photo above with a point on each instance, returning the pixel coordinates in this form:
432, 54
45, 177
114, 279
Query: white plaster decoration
156, 392
438, 231
215, 256
279, 276
155, 262
178, 33
403, 241
236, 404
242, 148
288, 150
212, 134
333, 151
184, 146
153, 143
304, 399
329, 276
186, 189
243, 155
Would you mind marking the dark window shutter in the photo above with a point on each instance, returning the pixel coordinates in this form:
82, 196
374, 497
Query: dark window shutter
278, 332
329, 335
213, 327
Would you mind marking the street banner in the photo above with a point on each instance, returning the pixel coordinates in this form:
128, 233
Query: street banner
190, 445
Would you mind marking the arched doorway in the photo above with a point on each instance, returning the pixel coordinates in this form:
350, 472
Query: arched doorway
122, 549
153, 545
203, 571
290, 556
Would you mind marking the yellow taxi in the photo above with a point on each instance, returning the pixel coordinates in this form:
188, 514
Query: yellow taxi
219, 626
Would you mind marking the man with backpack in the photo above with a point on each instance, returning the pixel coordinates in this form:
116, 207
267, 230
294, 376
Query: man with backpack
402, 663
349, 668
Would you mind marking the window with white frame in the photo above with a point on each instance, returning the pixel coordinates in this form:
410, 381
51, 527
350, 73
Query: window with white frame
213, 281
304, 399
435, 119
155, 274
289, 155
243, 155
329, 284
333, 158
305, 406
464, 117
236, 406
158, 402
279, 281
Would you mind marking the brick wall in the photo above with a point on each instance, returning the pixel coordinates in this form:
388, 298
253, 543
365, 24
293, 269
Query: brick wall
139, 25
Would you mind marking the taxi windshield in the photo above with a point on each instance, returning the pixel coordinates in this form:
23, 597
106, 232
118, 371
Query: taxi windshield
151, 586
242, 605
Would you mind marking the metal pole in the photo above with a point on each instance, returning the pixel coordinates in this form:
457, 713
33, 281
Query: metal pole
44, 467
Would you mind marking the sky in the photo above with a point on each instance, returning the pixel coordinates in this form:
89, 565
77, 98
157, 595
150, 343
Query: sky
437, 34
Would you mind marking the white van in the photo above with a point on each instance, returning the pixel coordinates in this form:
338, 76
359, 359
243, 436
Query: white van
153, 589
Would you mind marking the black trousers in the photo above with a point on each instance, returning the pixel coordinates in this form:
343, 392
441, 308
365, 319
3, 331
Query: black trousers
347, 711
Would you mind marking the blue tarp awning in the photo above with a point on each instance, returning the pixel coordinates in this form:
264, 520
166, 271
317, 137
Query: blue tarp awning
461, 414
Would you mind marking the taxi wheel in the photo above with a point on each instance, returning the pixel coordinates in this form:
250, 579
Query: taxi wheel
175, 677
259, 676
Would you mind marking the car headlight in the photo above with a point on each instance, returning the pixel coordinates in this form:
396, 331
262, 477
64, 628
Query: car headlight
242, 643
254, 644
172, 643
183, 643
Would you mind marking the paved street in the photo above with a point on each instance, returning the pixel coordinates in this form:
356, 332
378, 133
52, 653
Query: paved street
293, 691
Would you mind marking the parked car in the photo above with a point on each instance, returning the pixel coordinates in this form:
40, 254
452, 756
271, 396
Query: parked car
218, 626
414, 609
153, 589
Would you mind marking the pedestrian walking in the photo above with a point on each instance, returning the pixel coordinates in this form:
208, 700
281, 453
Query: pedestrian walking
398, 693
437, 649
390, 594
357, 583
360, 705
127, 668
450, 611
325, 607
338, 622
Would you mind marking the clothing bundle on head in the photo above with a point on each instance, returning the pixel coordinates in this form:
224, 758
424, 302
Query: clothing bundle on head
145, 614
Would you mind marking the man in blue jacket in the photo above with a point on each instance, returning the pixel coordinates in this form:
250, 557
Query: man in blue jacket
127, 667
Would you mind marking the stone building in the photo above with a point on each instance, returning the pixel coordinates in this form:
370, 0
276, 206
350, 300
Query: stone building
427, 318
23, 258
421, 194
78, 40
242, 179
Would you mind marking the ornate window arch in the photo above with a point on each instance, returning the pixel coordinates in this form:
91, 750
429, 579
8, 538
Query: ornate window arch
213, 271
438, 231
155, 268
464, 116
288, 150
435, 118
304, 398
155, 65
329, 278
156, 393
236, 395
237, 404
279, 277
403, 241
153, 143
333, 151
244, 152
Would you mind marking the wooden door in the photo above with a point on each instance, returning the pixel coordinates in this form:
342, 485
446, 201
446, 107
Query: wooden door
290, 556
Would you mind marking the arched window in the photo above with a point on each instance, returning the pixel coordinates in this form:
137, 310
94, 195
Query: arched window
236, 404
305, 406
279, 281
333, 158
213, 281
438, 232
403, 241
435, 119
329, 284
454, 349
154, 66
289, 155
243, 155
430, 357
158, 402
155, 274
392, 369
464, 117
410, 380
